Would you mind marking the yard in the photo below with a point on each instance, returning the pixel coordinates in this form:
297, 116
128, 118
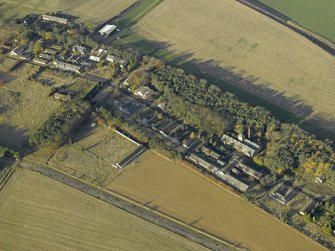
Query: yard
91, 155
38, 213
175, 190
231, 42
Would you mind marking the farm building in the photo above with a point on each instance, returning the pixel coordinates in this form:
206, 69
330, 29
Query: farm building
232, 181
189, 143
210, 152
80, 49
50, 51
54, 19
18, 50
200, 160
98, 55
107, 30
56, 47
67, 67
247, 150
307, 207
282, 193
40, 61
45, 56
320, 178
144, 92
250, 171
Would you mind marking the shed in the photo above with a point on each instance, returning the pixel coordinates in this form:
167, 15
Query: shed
18, 50
107, 30
79, 48
320, 178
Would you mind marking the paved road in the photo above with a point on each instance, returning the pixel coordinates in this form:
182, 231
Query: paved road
190, 233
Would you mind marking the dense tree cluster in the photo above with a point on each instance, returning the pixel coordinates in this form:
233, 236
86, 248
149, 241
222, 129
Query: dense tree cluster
5, 151
224, 106
291, 147
60, 124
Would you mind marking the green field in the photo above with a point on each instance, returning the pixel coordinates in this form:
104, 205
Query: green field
38, 213
316, 16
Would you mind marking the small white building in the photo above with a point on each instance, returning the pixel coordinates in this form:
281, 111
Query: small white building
79, 48
112, 58
107, 30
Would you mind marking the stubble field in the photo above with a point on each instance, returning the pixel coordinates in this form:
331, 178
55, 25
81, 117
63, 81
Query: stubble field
179, 192
245, 48
94, 11
38, 213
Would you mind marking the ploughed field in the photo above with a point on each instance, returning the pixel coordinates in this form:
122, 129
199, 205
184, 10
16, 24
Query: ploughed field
234, 42
317, 16
177, 191
38, 213
94, 11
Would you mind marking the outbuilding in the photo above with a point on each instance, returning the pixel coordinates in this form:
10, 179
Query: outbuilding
107, 30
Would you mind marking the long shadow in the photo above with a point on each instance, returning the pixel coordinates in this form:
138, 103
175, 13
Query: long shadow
246, 88
14, 138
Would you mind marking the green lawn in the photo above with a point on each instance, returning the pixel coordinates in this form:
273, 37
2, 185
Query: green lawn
317, 16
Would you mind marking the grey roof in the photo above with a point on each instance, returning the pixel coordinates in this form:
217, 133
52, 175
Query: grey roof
249, 170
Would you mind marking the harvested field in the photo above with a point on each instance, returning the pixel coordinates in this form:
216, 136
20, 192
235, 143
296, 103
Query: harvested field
177, 191
317, 16
91, 158
24, 104
38, 213
93, 11
231, 41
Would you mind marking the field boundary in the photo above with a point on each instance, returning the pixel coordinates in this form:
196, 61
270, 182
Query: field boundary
189, 232
5, 179
326, 46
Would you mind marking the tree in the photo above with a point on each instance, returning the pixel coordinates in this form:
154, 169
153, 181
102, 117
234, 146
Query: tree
48, 35
24, 41
38, 47
327, 229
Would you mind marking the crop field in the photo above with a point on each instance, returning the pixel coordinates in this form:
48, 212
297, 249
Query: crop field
317, 16
190, 197
230, 41
91, 157
38, 213
95, 11
24, 104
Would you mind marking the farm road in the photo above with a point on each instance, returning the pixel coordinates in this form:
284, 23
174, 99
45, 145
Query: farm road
196, 236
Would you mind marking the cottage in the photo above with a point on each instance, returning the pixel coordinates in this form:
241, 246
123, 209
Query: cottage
54, 19
107, 30
18, 50
320, 178
80, 49
144, 92
307, 207
98, 55
67, 67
